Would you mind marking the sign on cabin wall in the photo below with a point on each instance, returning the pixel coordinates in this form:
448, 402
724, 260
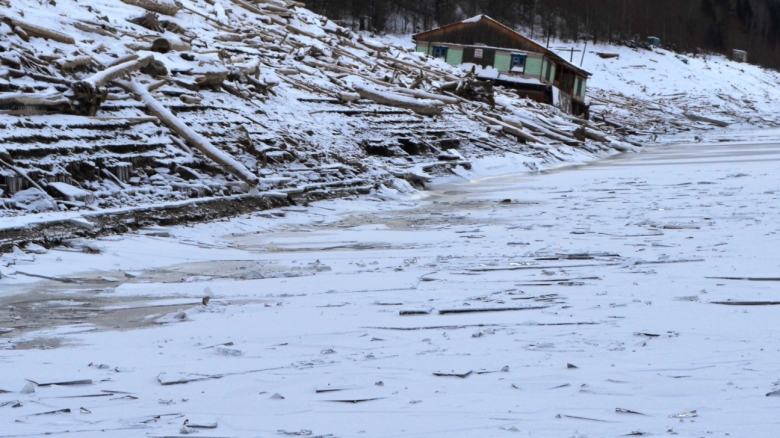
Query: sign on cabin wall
477, 53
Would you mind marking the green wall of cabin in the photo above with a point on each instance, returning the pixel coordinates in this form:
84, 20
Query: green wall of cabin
503, 63
454, 57
533, 67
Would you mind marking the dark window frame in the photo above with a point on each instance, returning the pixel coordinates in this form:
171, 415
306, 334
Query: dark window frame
443, 50
521, 59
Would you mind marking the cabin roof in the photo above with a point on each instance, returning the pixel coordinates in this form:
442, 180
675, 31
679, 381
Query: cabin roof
539, 47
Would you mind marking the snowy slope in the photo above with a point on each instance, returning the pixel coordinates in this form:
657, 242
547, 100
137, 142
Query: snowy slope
262, 81
652, 90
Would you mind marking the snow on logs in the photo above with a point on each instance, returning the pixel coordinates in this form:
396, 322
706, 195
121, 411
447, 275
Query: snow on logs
425, 95
88, 91
428, 107
48, 100
198, 141
165, 7
28, 29
517, 132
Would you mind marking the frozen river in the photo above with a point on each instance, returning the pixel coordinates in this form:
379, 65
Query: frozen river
631, 297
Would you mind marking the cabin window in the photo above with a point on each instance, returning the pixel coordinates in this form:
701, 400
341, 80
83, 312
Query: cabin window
518, 63
439, 52
549, 71
579, 87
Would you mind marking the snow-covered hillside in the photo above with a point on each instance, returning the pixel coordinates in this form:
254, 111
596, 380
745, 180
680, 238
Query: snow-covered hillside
648, 92
109, 105
653, 90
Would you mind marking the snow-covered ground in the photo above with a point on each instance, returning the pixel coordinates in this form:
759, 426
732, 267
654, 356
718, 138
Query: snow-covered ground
616, 282
656, 88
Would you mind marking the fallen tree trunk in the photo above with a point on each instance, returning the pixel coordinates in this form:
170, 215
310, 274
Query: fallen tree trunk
77, 61
195, 139
517, 122
38, 77
88, 92
34, 30
426, 107
509, 128
590, 133
425, 95
47, 101
165, 7
347, 97
92, 29
122, 60
696, 118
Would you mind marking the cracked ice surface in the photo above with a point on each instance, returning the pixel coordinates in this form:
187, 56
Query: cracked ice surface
606, 277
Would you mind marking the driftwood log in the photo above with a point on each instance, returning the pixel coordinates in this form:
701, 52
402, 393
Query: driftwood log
165, 7
425, 95
34, 30
189, 134
517, 132
89, 93
49, 101
696, 118
426, 107
74, 62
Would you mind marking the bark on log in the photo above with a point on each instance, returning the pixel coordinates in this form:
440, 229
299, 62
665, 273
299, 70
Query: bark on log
155, 68
348, 97
425, 95
166, 7
122, 60
77, 61
22, 34
39, 77
249, 7
567, 139
92, 29
88, 92
195, 139
188, 98
371, 46
425, 107
165, 45
213, 79
34, 99
102, 78
592, 134
509, 128
696, 118
42, 32
295, 30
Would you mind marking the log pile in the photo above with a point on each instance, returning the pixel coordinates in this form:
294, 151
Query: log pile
166, 100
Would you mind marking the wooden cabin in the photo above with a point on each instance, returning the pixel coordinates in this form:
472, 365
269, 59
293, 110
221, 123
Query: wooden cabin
509, 59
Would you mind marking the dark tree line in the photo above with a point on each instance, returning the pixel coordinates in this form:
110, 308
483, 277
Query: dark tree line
683, 25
